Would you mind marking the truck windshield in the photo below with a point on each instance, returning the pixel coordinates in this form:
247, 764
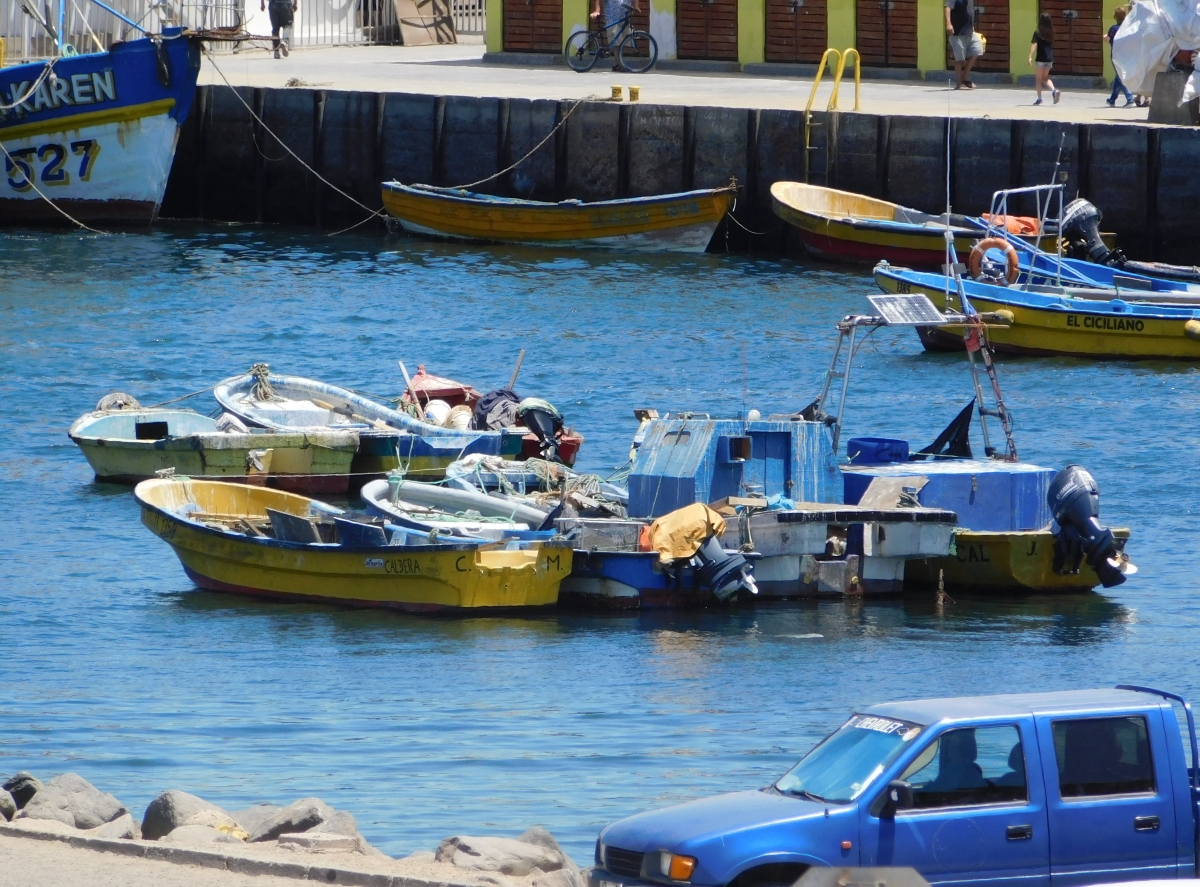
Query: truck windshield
840, 768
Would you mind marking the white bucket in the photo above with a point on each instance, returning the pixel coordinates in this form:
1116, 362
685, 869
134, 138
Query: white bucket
436, 411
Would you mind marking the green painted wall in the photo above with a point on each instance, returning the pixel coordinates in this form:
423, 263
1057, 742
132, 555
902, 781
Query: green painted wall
494, 36
752, 31
931, 35
1022, 22
575, 17
842, 27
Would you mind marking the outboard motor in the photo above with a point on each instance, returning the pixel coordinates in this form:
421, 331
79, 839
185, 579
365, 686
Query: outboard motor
546, 422
1074, 501
725, 573
1081, 230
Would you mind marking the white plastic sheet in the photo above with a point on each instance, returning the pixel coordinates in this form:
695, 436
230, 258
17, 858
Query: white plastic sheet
1152, 33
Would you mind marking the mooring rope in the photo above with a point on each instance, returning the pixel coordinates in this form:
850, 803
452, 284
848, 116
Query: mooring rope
282, 144
263, 391
535, 148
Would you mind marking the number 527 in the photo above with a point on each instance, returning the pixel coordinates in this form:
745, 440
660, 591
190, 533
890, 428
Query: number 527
19, 165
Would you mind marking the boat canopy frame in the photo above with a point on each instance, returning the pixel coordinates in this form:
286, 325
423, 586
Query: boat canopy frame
849, 342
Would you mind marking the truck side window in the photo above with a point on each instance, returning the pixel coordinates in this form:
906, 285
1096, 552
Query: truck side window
1103, 756
969, 766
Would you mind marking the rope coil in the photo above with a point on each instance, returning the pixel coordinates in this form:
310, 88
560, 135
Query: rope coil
263, 392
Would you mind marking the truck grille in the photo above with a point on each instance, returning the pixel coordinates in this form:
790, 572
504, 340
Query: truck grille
623, 862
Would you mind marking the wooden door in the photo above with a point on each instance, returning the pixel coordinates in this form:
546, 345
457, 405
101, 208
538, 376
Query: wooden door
797, 30
1078, 36
887, 33
533, 26
991, 20
707, 29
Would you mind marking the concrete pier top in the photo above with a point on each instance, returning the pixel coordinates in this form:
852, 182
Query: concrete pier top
460, 70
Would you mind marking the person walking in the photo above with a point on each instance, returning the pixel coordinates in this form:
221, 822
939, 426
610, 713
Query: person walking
1118, 86
1043, 48
282, 14
965, 45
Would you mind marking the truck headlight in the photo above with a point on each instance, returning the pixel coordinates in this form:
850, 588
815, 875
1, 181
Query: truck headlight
601, 853
676, 867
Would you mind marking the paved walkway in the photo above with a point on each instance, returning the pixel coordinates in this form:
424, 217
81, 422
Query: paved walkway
460, 70
30, 863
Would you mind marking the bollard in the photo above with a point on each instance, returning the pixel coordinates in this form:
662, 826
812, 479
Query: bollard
635, 93
616, 93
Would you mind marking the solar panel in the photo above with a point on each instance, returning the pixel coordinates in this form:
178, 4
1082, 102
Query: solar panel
906, 308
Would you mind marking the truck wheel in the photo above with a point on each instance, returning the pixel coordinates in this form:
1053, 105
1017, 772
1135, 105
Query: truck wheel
782, 874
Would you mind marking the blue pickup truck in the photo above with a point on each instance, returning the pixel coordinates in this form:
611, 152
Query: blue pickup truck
1034, 790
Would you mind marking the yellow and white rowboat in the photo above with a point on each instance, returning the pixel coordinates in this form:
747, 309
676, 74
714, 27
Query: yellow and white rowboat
682, 222
256, 541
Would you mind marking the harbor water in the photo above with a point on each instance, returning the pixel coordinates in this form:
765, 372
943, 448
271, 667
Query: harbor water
116, 667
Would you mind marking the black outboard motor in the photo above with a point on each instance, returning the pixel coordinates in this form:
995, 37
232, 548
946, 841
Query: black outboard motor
1081, 230
1074, 501
723, 572
546, 422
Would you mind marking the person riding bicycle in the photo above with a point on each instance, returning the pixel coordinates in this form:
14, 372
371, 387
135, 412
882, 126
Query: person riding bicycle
615, 11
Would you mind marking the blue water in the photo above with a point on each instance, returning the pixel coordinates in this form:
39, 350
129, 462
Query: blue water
114, 666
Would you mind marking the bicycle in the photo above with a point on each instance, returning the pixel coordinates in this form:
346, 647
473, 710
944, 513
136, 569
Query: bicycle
637, 51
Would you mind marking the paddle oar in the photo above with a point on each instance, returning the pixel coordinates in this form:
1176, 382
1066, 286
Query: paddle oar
517, 369
413, 391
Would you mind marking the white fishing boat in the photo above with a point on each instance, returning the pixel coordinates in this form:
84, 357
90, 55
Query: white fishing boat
134, 444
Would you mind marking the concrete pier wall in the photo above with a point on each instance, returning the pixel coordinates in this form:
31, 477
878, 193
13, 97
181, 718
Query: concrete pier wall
229, 168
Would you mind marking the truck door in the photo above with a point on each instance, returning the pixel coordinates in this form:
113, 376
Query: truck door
977, 816
1109, 793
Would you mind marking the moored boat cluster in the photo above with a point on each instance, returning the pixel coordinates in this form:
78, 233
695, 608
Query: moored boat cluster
468, 503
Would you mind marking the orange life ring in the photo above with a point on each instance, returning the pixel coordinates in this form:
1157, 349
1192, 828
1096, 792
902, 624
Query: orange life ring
979, 250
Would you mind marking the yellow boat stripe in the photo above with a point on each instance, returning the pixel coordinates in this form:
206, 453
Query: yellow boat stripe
89, 118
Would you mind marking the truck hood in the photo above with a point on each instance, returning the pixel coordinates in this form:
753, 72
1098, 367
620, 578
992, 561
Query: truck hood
693, 823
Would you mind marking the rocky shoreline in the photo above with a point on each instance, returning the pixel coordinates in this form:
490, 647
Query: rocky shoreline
289, 840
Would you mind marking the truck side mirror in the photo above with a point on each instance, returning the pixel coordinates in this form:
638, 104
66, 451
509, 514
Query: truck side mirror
897, 796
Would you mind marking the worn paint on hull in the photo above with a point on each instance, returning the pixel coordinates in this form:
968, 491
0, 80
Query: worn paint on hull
673, 222
98, 139
1017, 561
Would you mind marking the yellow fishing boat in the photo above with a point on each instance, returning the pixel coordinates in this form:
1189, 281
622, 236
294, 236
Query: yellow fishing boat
268, 543
843, 225
1050, 320
682, 222
1003, 561
846, 226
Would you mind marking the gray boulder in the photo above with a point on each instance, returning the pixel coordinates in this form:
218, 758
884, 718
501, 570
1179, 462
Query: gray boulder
72, 800
570, 874
198, 834
504, 855
173, 809
252, 817
339, 823
300, 816
22, 787
8, 807
124, 827
561, 878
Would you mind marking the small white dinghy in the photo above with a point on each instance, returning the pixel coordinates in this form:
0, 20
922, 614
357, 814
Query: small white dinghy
452, 512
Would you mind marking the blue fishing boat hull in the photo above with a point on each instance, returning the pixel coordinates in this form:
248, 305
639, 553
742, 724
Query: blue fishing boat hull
96, 133
629, 580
